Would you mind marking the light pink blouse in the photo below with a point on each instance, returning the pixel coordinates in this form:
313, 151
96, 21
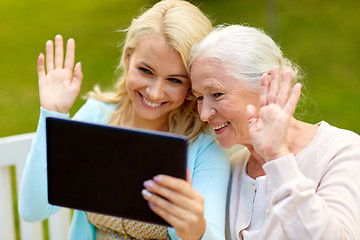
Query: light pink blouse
313, 195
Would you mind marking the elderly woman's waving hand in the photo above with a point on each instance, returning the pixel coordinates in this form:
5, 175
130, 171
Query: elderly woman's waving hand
268, 127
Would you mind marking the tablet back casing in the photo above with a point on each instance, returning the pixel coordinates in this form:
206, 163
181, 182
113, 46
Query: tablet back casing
101, 168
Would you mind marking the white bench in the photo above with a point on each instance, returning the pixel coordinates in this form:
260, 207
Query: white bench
13, 152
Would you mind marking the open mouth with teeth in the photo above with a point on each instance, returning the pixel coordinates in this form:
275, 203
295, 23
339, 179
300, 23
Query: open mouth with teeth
220, 127
150, 104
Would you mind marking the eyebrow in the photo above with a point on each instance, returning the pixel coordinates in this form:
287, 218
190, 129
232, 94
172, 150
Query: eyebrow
179, 75
193, 91
206, 87
147, 65
173, 75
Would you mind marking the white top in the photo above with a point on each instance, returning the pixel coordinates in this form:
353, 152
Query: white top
259, 205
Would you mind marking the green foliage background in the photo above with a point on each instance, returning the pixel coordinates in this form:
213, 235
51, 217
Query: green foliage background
321, 36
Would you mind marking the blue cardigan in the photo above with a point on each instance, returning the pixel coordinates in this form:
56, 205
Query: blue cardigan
208, 164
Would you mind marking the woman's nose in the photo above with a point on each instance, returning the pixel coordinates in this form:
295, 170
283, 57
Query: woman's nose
206, 111
155, 90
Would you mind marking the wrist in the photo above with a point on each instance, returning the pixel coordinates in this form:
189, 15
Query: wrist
198, 235
54, 109
276, 155
203, 230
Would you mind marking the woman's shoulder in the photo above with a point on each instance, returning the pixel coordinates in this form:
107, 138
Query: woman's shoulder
339, 135
207, 144
204, 140
95, 111
205, 152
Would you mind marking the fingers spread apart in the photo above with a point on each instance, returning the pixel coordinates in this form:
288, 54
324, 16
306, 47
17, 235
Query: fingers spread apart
59, 51
49, 56
277, 92
70, 54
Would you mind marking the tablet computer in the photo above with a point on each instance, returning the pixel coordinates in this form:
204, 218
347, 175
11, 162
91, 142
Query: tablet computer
101, 168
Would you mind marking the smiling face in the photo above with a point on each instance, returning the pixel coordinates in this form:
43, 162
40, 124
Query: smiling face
222, 102
157, 82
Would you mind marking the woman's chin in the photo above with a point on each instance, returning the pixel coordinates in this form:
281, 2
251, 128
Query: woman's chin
226, 144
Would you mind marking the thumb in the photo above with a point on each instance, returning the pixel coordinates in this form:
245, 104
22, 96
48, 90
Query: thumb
251, 114
78, 75
188, 175
41, 67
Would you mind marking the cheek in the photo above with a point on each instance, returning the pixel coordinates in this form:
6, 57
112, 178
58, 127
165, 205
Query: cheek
240, 125
235, 113
226, 109
178, 93
236, 109
241, 129
134, 81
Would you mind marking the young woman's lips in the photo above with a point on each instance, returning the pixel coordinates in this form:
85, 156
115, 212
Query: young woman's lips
149, 104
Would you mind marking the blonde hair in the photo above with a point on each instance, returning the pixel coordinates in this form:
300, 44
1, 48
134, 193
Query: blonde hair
245, 52
182, 25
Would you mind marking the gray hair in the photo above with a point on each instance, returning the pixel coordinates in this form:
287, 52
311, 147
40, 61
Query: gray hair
245, 52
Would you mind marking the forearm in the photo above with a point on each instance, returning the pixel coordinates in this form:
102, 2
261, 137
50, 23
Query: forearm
33, 199
210, 171
310, 210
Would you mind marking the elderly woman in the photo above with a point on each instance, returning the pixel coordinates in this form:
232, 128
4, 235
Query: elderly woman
293, 180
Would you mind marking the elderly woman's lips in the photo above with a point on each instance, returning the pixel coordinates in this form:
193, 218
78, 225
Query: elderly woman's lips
219, 127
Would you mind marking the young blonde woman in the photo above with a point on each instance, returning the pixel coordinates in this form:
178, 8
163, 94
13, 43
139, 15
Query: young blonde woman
153, 93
